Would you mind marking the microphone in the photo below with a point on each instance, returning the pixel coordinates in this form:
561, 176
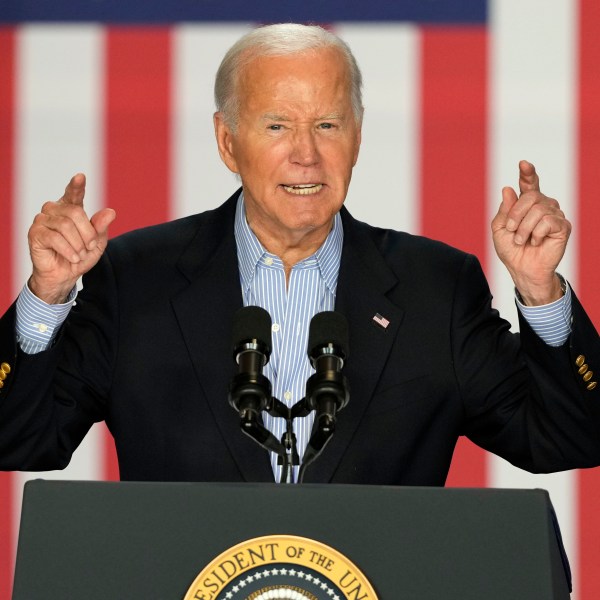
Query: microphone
250, 390
327, 389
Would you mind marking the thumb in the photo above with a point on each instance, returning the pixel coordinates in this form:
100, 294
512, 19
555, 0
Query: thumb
509, 198
101, 221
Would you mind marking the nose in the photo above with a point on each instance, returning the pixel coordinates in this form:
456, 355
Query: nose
304, 150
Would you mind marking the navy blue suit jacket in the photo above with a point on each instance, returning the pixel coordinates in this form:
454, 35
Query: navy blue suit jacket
148, 349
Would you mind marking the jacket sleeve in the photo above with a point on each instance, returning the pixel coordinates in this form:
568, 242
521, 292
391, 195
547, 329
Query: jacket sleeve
49, 400
524, 400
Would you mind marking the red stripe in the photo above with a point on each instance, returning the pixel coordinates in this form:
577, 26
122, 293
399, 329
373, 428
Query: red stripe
7, 546
7, 543
454, 165
7, 106
588, 286
138, 108
7, 115
137, 125
589, 156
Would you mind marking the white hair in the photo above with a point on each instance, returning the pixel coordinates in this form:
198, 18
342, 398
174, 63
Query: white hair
279, 40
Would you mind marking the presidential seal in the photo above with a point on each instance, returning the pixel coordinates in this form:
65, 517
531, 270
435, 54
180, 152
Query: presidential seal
281, 567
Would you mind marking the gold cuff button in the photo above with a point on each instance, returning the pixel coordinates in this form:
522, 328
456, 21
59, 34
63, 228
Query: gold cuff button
5, 367
580, 360
588, 375
582, 369
1, 384
592, 385
2, 375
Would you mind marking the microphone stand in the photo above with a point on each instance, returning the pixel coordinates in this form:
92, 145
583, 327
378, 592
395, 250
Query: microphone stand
329, 389
285, 449
325, 390
326, 394
321, 434
290, 456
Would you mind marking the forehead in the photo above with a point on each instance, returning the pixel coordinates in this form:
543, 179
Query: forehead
320, 76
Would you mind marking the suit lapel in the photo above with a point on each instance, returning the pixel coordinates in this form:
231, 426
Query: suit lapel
363, 282
205, 311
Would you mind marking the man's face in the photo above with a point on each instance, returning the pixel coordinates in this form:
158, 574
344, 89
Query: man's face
295, 144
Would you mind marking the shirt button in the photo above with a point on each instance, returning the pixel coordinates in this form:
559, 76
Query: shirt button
268, 261
41, 327
275, 327
287, 395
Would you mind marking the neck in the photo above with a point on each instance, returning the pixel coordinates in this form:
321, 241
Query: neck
292, 249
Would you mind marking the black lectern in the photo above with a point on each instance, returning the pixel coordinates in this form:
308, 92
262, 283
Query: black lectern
150, 540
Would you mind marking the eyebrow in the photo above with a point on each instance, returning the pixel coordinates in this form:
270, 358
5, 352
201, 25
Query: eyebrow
330, 117
276, 117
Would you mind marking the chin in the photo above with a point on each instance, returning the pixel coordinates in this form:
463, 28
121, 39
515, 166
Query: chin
309, 222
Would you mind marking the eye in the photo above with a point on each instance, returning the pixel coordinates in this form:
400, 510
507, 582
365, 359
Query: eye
326, 125
275, 127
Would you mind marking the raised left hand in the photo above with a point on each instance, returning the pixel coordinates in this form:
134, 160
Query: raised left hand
530, 234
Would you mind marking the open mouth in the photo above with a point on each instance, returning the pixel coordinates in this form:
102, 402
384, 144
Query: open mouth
303, 189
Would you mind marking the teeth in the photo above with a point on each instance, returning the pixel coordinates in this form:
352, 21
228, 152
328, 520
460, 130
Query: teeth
303, 189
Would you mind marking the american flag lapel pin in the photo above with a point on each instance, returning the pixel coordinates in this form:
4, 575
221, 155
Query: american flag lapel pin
381, 321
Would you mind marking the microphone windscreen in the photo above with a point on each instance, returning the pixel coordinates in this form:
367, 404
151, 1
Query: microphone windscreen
252, 323
328, 327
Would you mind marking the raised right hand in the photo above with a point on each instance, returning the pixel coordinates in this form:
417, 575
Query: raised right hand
64, 244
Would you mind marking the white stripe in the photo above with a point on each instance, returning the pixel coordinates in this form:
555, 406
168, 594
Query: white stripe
59, 124
384, 184
200, 180
59, 132
532, 95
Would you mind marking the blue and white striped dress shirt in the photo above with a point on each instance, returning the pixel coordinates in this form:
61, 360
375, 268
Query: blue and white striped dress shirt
311, 289
37, 322
551, 322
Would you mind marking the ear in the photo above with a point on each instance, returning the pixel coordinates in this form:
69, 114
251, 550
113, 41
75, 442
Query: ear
225, 140
358, 141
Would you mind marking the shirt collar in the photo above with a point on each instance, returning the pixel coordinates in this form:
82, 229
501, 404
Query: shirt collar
251, 251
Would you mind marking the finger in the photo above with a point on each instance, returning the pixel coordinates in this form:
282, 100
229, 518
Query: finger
550, 226
75, 190
65, 227
509, 199
46, 239
60, 213
530, 203
101, 221
528, 178
540, 215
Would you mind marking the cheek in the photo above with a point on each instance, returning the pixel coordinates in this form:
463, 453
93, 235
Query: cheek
341, 151
339, 163
265, 161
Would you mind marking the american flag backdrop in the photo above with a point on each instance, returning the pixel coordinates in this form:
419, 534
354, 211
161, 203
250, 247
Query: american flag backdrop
455, 94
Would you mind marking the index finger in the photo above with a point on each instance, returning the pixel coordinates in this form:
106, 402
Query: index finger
528, 178
75, 190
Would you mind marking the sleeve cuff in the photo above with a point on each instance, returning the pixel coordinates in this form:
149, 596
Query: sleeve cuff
551, 322
37, 322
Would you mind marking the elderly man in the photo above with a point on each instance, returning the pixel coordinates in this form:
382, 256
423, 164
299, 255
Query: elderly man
146, 346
